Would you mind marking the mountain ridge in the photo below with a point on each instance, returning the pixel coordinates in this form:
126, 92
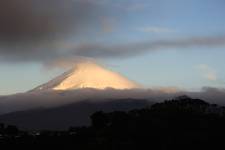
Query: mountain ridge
76, 113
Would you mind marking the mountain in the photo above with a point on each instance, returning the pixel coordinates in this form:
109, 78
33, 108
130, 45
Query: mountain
74, 114
87, 75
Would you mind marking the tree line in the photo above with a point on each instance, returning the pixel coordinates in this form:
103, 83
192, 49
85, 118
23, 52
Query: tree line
180, 123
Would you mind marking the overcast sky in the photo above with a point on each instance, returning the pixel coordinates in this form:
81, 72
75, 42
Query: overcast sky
157, 43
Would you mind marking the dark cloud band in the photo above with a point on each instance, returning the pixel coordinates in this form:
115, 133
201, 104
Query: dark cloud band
36, 31
136, 48
31, 27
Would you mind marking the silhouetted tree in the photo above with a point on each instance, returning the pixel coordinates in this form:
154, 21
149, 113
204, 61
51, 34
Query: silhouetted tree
2, 128
11, 130
181, 123
99, 120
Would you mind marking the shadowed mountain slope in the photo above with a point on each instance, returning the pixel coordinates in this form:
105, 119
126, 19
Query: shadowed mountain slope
76, 114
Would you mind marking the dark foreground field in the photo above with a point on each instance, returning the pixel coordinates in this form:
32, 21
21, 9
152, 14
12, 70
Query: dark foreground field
181, 123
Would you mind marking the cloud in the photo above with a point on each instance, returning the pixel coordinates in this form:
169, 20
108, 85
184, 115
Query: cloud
108, 24
72, 50
211, 76
25, 101
102, 50
51, 30
26, 20
152, 29
68, 63
30, 29
208, 72
135, 6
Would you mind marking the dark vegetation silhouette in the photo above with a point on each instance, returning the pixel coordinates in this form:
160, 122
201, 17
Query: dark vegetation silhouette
181, 123
76, 114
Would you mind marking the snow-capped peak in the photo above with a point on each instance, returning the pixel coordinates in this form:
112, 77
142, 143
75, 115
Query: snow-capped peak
88, 75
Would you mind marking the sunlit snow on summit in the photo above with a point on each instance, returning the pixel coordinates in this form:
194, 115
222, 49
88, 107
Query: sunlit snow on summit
88, 75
